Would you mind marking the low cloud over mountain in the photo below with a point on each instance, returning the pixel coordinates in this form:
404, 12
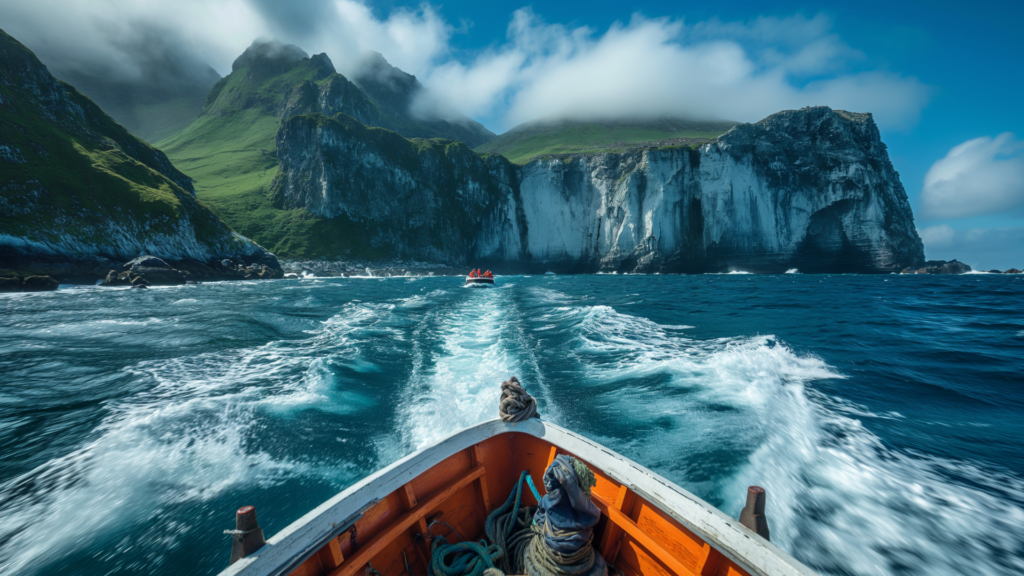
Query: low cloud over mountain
641, 68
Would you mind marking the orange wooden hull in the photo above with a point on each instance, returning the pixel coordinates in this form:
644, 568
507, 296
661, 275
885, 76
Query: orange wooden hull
636, 535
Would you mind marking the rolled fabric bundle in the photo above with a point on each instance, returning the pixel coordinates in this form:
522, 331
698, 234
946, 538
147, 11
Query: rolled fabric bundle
563, 524
516, 403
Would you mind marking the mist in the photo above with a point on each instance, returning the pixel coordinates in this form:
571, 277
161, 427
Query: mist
642, 68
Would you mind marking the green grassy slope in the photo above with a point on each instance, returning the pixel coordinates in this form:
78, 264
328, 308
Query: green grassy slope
230, 152
71, 168
536, 139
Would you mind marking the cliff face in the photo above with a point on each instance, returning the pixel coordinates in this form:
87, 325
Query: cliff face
429, 198
811, 189
76, 184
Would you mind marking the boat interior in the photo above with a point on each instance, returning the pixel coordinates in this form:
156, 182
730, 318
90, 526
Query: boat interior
453, 497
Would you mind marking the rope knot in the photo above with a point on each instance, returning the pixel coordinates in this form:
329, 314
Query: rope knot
516, 403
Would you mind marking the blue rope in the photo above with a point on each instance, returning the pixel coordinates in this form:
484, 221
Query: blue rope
533, 487
470, 558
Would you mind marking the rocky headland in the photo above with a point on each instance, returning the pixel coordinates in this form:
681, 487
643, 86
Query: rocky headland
811, 189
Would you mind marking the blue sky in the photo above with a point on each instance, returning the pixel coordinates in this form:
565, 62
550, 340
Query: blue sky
944, 80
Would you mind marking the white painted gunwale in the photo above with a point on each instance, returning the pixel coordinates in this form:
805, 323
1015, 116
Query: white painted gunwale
288, 548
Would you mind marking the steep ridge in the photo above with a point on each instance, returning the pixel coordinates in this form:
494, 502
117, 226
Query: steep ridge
394, 92
231, 149
811, 189
76, 185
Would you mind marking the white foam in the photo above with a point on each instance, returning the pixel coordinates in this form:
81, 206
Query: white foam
792, 271
838, 498
461, 355
183, 439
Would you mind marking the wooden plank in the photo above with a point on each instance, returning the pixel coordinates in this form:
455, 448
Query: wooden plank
629, 527
711, 560
613, 532
367, 551
331, 556
484, 495
410, 503
681, 543
632, 554
551, 458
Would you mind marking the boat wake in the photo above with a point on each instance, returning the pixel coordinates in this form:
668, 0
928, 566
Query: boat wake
461, 352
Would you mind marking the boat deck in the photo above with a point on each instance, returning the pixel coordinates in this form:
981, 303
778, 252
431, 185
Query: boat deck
648, 527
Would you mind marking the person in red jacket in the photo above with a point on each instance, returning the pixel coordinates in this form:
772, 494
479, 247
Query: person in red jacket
488, 274
472, 273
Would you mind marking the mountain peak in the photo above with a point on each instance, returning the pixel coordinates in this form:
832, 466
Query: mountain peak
269, 52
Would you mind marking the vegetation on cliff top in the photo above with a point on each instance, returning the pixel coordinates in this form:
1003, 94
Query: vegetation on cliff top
537, 139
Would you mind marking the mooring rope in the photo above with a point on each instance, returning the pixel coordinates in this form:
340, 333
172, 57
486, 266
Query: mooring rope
508, 526
462, 559
516, 403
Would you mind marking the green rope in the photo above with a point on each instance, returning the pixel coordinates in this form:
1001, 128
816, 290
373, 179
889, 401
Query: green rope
508, 526
467, 558
585, 475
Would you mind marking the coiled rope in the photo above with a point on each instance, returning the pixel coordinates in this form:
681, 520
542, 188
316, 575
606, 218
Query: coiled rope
516, 403
508, 526
518, 543
463, 558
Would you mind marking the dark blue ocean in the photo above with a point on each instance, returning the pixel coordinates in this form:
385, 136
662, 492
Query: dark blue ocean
883, 414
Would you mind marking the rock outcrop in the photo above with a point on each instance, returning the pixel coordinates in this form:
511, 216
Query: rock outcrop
27, 284
811, 189
941, 267
151, 271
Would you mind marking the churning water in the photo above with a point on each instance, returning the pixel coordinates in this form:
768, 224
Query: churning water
882, 413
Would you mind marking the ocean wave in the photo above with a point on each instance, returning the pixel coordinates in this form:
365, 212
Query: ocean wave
187, 437
839, 499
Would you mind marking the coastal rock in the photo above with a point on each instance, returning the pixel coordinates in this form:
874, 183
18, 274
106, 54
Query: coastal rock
811, 189
10, 284
115, 278
1013, 271
39, 284
160, 276
940, 267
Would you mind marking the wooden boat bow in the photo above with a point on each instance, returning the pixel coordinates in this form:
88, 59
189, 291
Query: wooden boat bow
649, 525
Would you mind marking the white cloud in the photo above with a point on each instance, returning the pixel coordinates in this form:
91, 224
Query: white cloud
981, 176
940, 236
643, 68
658, 67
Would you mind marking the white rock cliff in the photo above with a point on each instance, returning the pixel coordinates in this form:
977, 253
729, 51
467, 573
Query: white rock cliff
811, 189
